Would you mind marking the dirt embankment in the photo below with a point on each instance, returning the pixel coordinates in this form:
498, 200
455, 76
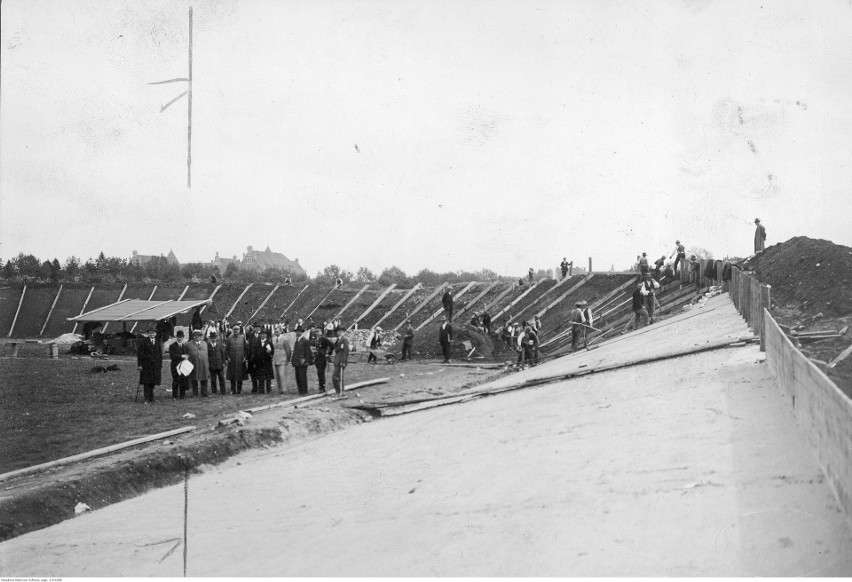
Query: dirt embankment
811, 283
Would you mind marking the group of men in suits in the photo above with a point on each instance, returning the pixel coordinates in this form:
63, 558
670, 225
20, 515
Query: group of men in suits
254, 354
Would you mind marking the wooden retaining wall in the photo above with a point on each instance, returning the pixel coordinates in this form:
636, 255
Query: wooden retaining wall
821, 409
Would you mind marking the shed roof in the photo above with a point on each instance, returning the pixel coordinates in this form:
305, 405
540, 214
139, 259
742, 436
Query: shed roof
139, 310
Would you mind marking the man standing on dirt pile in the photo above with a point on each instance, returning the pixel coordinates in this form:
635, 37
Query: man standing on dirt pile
759, 236
149, 360
341, 358
177, 354
445, 337
407, 340
564, 266
680, 251
198, 355
447, 302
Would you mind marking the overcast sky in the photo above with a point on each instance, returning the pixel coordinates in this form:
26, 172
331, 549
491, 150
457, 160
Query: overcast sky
441, 134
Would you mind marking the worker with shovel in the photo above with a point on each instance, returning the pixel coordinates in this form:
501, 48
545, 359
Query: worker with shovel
578, 321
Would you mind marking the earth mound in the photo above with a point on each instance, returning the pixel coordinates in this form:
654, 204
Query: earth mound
816, 274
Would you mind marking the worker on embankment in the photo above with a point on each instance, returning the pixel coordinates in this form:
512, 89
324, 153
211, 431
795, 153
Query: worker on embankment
640, 314
578, 320
447, 302
643, 264
648, 288
759, 236
680, 251
564, 265
407, 340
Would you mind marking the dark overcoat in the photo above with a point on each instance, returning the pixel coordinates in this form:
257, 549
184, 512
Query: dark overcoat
235, 352
149, 356
216, 355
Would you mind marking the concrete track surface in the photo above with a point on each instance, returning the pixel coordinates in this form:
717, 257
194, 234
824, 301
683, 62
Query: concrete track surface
684, 467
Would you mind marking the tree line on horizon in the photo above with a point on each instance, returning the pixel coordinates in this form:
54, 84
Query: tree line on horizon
27, 268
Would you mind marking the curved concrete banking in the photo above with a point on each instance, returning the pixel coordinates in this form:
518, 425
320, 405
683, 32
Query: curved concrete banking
686, 467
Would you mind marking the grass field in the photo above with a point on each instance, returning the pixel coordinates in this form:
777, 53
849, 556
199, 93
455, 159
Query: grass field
56, 408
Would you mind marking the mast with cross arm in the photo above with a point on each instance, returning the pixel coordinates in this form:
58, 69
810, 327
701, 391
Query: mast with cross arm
188, 94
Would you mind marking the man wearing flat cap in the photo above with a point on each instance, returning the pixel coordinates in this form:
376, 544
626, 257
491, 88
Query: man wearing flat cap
149, 360
578, 319
759, 236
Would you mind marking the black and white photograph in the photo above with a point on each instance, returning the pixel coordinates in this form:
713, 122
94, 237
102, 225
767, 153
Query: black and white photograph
425, 288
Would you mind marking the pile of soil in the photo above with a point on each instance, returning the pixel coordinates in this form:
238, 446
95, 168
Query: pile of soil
815, 274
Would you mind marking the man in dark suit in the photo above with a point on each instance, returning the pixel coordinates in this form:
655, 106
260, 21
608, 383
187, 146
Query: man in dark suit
149, 360
178, 353
341, 358
447, 301
216, 359
445, 336
301, 360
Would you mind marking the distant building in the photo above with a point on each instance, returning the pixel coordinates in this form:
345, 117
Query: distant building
143, 260
259, 261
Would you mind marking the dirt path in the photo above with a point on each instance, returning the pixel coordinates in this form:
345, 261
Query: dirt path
630, 472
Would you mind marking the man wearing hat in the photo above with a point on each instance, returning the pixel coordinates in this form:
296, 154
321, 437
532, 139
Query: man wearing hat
407, 340
578, 321
759, 236
648, 288
178, 353
445, 338
199, 357
149, 360
302, 358
680, 250
262, 364
324, 348
341, 358
216, 356
281, 357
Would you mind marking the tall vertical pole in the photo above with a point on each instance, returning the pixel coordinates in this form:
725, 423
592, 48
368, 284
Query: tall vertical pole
189, 112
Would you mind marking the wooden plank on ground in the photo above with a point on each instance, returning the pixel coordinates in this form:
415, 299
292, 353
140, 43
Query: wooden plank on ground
423, 304
49, 313
95, 453
400, 302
